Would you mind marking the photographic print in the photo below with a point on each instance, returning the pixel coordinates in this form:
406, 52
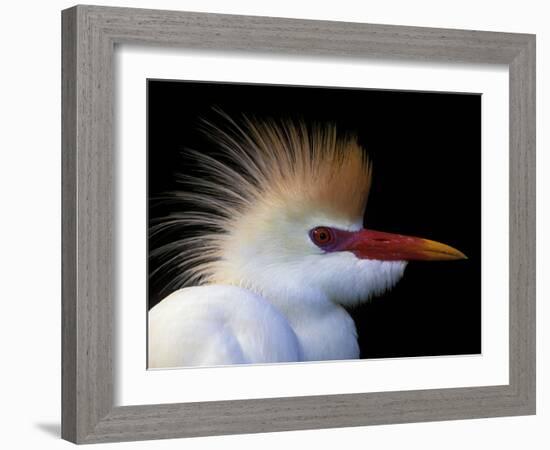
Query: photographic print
294, 224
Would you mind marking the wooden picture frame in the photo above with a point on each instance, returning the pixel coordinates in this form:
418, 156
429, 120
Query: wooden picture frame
90, 34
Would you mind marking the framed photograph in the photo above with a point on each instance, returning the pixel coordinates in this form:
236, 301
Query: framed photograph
278, 224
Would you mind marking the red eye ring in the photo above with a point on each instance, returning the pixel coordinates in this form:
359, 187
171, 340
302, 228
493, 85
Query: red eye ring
321, 235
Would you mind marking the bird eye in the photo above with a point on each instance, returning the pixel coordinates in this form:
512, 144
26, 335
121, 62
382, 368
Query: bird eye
321, 235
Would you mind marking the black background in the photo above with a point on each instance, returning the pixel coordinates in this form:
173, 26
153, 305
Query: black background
426, 152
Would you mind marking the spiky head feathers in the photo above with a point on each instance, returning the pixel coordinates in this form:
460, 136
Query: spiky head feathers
273, 176
293, 164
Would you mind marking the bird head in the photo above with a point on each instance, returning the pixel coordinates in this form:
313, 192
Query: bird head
285, 217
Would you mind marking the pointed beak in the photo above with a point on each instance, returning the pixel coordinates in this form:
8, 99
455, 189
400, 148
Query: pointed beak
370, 244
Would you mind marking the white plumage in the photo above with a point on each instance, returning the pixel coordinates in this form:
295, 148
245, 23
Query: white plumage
284, 254
217, 325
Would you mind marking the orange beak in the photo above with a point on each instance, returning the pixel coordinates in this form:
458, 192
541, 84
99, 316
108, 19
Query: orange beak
370, 244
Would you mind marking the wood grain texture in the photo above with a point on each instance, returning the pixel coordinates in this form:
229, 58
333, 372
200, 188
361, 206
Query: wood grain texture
89, 37
68, 225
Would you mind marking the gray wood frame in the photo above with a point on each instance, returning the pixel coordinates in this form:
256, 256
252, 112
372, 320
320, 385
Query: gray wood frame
89, 36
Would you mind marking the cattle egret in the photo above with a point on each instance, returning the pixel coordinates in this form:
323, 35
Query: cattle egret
281, 253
